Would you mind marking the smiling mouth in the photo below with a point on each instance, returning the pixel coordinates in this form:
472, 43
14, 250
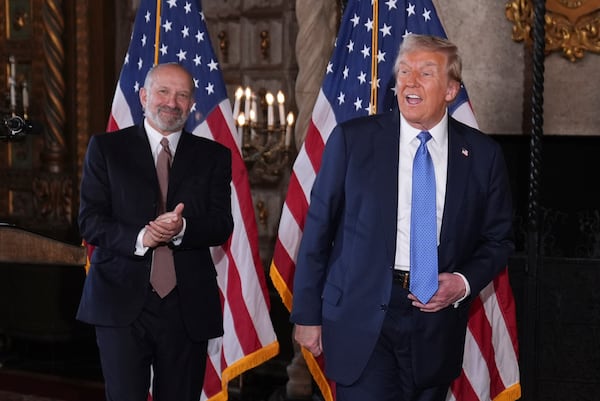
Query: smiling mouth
413, 99
171, 111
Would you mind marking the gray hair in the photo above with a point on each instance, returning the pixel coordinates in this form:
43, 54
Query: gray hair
150, 74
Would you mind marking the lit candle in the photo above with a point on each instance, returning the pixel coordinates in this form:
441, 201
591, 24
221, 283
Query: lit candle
25, 96
241, 121
253, 120
280, 101
236, 104
13, 94
13, 67
288, 129
247, 100
12, 82
253, 110
270, 99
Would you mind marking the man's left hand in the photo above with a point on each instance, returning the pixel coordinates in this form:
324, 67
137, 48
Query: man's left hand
451, 288
167, 225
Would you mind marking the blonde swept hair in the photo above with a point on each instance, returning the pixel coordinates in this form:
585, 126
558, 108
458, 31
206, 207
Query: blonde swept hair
414, 42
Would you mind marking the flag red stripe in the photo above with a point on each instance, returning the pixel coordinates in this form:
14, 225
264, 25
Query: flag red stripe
282, 274
481, 330
506, 303
285, 264
314, 145
244, 326
218, 126
112, 124
296, 201
212, 381
297, 204
463, 390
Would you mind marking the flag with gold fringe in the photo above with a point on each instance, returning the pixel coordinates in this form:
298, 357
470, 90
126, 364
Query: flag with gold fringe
358, 81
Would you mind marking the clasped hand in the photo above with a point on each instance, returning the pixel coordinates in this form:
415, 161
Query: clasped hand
451, 288
162, 229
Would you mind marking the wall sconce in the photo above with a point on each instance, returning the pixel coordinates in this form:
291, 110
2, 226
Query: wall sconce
224, 45
266, 140
16, 126
265, 44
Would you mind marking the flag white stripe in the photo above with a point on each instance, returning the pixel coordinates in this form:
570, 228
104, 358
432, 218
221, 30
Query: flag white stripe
289, 233
475, 368
505, 356
323, 116
464, 114
120, 109
305, 175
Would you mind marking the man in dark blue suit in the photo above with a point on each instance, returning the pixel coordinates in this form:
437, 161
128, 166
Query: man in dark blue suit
352, 288
126, 217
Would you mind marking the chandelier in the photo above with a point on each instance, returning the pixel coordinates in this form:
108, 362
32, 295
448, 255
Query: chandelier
266, 138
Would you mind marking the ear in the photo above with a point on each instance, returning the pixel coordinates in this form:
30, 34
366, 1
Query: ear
452, 90
143, 97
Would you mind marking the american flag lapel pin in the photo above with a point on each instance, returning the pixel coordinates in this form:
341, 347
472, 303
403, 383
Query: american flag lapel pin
465, 152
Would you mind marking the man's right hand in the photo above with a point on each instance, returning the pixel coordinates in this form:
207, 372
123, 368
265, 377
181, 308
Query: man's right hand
162, 229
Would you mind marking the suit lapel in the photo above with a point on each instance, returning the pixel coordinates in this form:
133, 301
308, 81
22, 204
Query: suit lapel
141, 158
180, 161
386, 158
459, 165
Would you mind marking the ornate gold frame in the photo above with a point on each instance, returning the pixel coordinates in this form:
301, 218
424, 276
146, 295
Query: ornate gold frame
572, 26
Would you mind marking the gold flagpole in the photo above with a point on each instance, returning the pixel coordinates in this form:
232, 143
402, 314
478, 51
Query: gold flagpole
157, 32
374, 46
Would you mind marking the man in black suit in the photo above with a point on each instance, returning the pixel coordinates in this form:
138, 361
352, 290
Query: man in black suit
354, 297
123, 214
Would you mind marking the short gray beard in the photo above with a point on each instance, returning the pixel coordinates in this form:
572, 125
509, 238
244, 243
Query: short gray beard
167, 126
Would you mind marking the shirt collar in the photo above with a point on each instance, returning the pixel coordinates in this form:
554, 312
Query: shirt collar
439, 133
154, 137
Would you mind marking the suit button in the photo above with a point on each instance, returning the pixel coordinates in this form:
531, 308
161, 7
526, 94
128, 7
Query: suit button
383, 307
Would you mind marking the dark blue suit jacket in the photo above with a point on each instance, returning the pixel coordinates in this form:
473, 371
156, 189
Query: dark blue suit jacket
119, 194
343, 275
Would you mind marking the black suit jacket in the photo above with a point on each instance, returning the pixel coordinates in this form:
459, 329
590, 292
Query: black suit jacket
119, 195
343, 278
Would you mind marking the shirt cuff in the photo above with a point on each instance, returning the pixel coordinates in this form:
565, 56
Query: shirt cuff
176, 240
140, 249
467, 289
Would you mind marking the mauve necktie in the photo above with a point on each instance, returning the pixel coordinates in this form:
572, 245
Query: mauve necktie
162, 275
423, 225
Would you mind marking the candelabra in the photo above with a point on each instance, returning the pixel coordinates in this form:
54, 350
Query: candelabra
16, 126
266, 143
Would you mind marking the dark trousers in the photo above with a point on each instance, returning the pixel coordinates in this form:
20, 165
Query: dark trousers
159, 339
388, 375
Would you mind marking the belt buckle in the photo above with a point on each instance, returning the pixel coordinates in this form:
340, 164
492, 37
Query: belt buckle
402, 277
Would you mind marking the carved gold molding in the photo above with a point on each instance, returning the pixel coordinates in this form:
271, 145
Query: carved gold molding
572, 26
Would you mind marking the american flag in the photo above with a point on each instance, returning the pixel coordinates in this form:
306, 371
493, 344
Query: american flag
175, 31
359, 80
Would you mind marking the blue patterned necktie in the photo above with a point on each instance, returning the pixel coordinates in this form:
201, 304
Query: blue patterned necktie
423, 225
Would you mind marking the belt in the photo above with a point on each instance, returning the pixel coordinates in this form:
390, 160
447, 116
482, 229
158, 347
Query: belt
401, 278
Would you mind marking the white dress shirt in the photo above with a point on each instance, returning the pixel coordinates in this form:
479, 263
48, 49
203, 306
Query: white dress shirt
438, 149
154, 137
